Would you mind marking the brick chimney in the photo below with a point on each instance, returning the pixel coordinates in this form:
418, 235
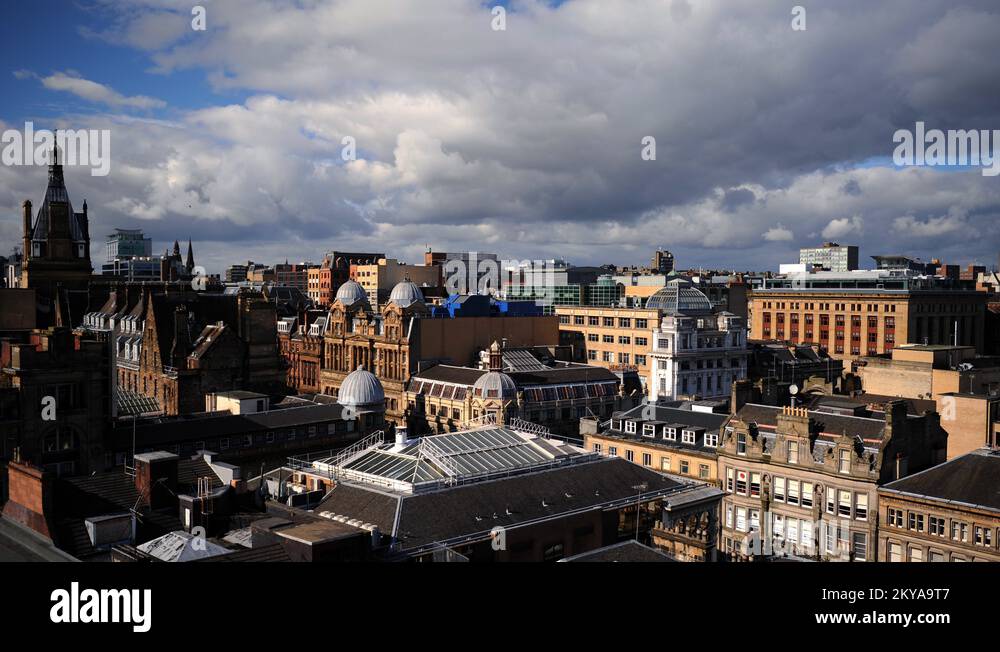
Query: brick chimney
740, 395
30, 496
156, 478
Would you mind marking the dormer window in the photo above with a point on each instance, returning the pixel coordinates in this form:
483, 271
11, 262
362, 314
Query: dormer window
712, 440
648, 430
687, 436
630, 427
670, 434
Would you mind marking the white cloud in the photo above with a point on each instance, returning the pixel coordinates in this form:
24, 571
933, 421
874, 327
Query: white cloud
843, 227
778, 233
99, 93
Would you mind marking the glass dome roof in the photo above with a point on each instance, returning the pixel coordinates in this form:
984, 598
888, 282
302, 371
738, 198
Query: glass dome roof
679, 296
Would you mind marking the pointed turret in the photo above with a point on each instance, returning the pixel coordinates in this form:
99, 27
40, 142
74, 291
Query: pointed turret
190, 258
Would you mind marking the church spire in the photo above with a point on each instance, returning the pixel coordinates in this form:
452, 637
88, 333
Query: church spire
190, 258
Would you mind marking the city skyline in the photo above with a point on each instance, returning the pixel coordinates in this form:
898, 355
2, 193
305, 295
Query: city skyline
764, 145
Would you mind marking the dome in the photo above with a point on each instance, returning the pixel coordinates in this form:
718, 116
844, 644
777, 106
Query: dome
405, 294
351, 292
495, 384
680, 297
361, 388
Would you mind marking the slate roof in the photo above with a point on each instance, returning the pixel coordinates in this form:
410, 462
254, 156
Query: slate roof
972, 479
209, 426
470, 511
557, 375
829, 424
626, 551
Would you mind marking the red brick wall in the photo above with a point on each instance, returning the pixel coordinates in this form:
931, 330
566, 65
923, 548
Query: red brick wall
30, 497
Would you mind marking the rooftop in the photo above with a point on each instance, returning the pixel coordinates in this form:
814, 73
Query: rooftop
626, 551
434, 461
969, 480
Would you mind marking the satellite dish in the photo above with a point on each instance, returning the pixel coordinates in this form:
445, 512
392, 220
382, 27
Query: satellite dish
793, 389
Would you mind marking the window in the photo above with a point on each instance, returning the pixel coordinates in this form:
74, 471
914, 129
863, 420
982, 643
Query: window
807, 494
597, 447
983, 536
647, 459
687, 436
779, 490
741, 483
895, 517
895, 552
730, 479
640, 323
613, 451
936, 524
630, 455
915, 522
741, 519
624, 339
793, 452
754, 520
831, 500
845, 503
641, 341
845, 461
915, 554
755, 484
703, 471
665, 464
712, 439
670, 433
685, 467
793, 492
729, 516
861, 508
859, 546
960, 531
741, 444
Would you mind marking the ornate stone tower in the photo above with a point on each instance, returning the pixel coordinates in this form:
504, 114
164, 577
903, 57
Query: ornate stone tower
56, 253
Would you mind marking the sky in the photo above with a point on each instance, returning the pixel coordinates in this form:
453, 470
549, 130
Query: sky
526, 141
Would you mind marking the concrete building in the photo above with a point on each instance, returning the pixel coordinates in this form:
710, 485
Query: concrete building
662, 262
803, 483
695, 353
865, 313
950, 513
831, 257
130, 257
379, 278
964, 387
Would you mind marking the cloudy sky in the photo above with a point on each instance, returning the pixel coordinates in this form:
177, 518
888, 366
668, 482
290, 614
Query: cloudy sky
525, 141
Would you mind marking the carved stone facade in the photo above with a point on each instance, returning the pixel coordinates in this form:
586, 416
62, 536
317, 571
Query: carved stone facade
804, 483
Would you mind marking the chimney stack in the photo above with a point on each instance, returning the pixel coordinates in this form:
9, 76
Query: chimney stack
156, 478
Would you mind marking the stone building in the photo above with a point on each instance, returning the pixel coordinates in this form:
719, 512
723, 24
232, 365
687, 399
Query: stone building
676, 437
177, 345
695, 353
803, 483
393, 341
516, 384
75, 373
950, 513
56, 253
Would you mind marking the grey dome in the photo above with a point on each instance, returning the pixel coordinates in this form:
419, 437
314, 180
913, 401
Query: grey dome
405, 294
680, 297
351, 292
495, 384
361, 388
